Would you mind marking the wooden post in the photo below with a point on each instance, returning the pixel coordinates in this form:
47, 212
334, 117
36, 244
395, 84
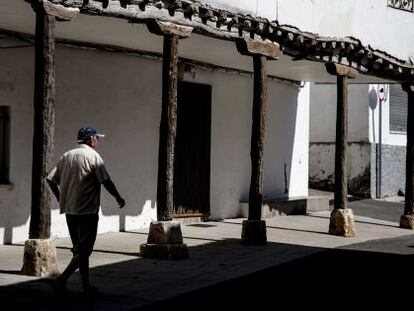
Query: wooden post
341, 180
254, 229
44, 124
407, 219
341, 187
44, 112
168, 125
342, 219
165, 237
40, 252
257, 138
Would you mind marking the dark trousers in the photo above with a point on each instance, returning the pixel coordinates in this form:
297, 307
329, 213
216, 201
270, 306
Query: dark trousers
82, 230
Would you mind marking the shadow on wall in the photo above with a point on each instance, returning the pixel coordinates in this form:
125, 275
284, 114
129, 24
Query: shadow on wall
7, 233
133, 209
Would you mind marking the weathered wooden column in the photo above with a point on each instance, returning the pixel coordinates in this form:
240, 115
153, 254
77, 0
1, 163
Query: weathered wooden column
165, 236
40, 251
407, 219
342, 218
254, 228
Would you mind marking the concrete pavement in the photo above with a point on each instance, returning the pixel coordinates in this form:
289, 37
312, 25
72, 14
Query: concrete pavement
219, 266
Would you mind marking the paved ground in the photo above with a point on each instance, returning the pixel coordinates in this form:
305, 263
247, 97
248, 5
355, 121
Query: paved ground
302, 264
388, 209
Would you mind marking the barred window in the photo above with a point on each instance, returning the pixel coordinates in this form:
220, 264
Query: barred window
398, 109
4, 144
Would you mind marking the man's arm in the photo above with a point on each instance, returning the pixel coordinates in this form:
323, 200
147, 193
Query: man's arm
54, 188
110, 187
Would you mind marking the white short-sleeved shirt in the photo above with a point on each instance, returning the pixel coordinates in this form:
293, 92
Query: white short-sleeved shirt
79, 174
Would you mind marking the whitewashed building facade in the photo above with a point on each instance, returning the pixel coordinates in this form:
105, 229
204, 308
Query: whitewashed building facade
109, 76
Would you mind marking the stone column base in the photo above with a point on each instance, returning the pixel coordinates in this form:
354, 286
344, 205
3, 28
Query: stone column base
407, 222
165, 241
164, 251
40, 258
254, 232
342, 222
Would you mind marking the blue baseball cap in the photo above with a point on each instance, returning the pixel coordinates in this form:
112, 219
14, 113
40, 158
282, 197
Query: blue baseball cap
88, 132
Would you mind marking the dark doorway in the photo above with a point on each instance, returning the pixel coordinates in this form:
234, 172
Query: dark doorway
192, 151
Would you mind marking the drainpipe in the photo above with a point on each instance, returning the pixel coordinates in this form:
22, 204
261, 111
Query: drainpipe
382, 97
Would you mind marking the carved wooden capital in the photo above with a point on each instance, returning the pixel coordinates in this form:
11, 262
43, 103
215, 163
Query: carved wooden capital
60, 12
251, 47
341, 70
408, 87
168, 28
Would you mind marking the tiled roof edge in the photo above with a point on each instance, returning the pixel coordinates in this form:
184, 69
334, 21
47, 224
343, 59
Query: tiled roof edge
227, 25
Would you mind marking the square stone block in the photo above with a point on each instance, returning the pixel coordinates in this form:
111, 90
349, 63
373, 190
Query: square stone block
254, 232
40, 258
164, 251
165, 232
342, 222
407, 222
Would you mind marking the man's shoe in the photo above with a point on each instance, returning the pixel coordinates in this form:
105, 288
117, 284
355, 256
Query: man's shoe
90, 291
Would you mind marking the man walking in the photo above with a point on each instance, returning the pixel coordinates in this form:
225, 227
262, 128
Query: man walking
76, 182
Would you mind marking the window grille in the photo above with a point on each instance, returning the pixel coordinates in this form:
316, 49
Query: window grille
398, 109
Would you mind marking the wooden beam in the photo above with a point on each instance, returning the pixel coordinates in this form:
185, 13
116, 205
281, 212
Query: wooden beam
168, 28
409, 165
257, 138
59, 11
168, 129
252, 47
44, 124
378, 63
341, 70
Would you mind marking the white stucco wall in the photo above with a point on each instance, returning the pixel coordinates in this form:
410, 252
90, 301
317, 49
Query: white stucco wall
323, 99
288, 143
371, 21
300, 161
365, 102
120, 95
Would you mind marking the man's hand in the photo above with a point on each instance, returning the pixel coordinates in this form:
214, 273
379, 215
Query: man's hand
109, 185
121, 202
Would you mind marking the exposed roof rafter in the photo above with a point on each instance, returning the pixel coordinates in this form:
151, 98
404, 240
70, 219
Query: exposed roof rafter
226, 25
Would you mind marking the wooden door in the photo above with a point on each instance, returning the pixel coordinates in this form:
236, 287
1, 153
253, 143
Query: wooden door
192, 151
